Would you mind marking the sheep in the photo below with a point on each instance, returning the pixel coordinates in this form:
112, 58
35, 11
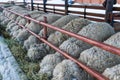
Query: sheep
37, 52
100, 58
35, 14
10, 25
64, 20
98, 31
2, 17
4, 22
13, 16
22, 35
15, 28
73, 26
22, 21
15, 33
59, 23
30, 41
68, 70
48, 63
34, 27
50, 18
112, 73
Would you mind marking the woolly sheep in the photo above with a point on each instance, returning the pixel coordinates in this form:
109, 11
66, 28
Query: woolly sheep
100, 58
23, 35
10, 26
31, 41
37, 52
22, 21
13, 16
64, 20
113, 73
15, 33
15, 28
73, 26
18, 18
34, 27
50, 17
68, 70
35, 14
59, 23
2, 17
48, 64
97, 31
4, 22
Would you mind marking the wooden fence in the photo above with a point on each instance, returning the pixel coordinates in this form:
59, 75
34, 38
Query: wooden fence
92, 12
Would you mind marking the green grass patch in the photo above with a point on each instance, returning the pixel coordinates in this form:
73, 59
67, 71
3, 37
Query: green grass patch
3, 32
29, 68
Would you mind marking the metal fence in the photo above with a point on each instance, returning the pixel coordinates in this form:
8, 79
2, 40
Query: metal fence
101, 45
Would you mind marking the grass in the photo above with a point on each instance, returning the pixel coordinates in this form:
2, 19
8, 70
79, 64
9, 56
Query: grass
29, 68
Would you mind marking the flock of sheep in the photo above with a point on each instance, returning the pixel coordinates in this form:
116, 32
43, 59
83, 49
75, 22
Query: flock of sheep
55, 65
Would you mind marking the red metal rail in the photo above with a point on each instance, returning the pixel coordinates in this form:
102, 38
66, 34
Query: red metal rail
85, 39
104, 46
86, 68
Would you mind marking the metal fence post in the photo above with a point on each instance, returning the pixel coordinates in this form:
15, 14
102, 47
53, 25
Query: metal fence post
32, 7
85, 11
44, 5
24, 2
109, 12
45, 29
66, 7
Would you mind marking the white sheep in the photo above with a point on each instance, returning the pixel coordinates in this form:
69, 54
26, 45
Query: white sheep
37, 52
113, 73
48, 64
100, 58
68, 70
98, 31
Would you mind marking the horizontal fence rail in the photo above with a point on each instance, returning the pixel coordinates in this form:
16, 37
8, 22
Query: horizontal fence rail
101, 45
86, 13
104, 46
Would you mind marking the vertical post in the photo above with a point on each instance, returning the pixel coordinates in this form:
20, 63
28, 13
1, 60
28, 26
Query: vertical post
45, 29
66, 7
24, 2
44, 5
28, 19
85, 11
109, 12
54, 9
32, 7
38, 6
